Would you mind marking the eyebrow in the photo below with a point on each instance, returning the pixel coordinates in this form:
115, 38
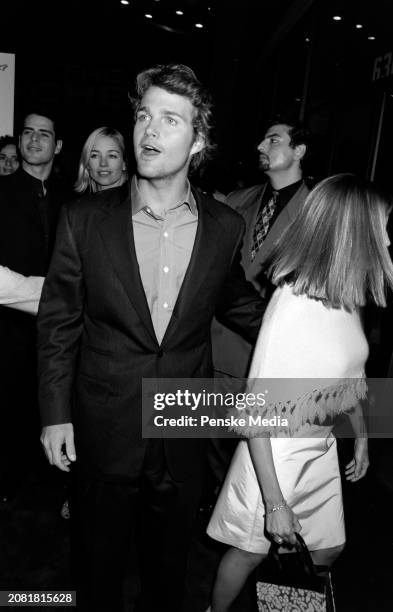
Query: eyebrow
42, 130
164, 111
108, 151
273, 134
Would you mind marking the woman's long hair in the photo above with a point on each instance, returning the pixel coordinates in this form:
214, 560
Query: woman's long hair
336, 250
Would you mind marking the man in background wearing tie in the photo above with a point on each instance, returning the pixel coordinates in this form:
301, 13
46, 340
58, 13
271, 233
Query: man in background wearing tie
267, 210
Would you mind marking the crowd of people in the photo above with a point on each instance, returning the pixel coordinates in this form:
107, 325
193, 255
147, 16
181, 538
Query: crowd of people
145, 276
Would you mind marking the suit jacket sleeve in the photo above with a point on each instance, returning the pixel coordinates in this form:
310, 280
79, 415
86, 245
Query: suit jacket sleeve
60, 323
240, 306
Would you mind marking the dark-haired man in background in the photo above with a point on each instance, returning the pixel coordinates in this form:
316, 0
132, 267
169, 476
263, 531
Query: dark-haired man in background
267, 209
30, 201
137, 275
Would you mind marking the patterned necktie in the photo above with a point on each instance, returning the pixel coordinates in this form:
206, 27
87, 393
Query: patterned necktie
262, 223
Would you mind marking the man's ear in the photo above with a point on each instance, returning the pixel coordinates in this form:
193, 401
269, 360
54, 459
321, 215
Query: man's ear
59, 144
300, 151
198, 144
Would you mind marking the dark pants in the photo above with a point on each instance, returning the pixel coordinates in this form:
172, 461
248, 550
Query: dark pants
131, 537
18, 381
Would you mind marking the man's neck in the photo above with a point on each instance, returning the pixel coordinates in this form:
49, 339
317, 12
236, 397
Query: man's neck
279, 180
40, 172
162, 194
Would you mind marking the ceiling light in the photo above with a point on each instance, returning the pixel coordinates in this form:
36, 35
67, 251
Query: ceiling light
358, 26
148, 16
179, 13
199, 25
337, 18
124, 2
371, 37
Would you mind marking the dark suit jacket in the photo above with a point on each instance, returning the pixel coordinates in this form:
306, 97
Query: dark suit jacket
96, 337
232, 353
27, 234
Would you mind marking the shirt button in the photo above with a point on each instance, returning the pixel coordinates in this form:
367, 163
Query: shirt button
148, 210
165, 234
166, 269
165, 304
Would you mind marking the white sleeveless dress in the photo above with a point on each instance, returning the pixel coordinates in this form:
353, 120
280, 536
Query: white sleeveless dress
300, 338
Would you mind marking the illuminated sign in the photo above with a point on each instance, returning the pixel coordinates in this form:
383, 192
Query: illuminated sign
7, 85
383, 66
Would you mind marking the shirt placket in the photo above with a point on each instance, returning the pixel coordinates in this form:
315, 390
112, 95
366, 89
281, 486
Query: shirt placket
166, 273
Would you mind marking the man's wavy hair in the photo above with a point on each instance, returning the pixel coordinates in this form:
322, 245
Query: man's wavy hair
181, 80
298, 132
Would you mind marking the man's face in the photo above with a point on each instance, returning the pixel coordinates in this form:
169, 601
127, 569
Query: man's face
8, 160
275, 152
38, 144
164, 138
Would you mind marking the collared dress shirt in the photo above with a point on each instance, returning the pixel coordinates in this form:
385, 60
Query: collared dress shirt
163, 245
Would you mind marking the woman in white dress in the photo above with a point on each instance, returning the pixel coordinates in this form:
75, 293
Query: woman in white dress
332, 256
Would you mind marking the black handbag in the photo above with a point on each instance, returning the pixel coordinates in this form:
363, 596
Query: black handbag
292, 583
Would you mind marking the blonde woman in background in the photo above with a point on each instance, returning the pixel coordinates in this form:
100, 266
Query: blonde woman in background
102, 163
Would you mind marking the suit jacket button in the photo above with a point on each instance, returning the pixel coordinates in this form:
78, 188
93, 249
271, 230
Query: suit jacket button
160, 353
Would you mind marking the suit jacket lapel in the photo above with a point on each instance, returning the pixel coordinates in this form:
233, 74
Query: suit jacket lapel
285, 217
250, 213
116, 230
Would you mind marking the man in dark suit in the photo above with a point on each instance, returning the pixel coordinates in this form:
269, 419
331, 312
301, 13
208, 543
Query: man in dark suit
138, 273
281, 152
267, 210
30, 200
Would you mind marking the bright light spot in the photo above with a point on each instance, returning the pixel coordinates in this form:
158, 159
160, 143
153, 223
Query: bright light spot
358, 26
337, 18
307, 39
371, 37
199, 25
179, 13
124, 2
148, 16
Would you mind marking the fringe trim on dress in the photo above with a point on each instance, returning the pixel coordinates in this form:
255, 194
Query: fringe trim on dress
315, 407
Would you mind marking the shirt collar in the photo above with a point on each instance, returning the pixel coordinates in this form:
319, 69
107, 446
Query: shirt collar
138, 203
289, 190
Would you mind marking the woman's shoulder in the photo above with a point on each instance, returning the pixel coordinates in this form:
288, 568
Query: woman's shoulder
306, 338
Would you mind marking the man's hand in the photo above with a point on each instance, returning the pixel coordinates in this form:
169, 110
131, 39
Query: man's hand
58, 443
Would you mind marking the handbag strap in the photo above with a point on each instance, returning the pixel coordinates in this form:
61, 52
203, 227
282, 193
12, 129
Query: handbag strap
307, 558
308, 563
